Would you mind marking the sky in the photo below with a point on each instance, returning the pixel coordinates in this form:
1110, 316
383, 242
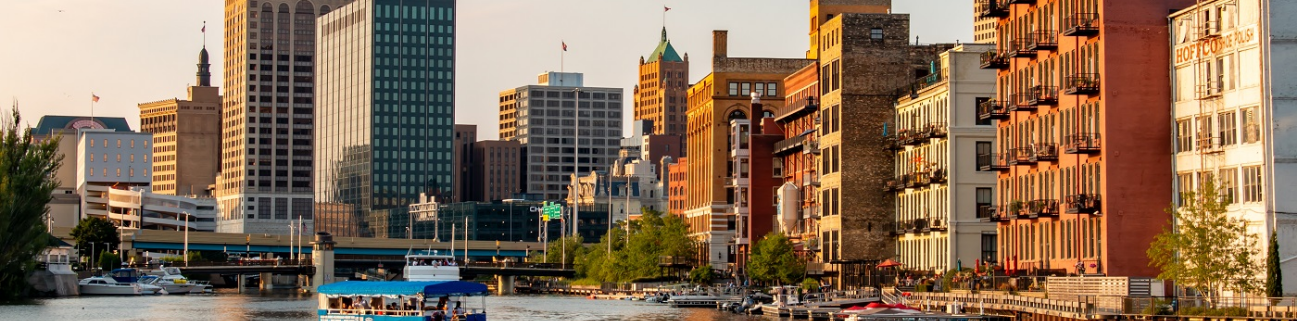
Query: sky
55, 53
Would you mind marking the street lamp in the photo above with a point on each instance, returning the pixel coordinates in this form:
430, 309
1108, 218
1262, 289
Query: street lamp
186, 238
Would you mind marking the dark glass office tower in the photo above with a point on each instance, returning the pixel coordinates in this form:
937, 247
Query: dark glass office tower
386, 111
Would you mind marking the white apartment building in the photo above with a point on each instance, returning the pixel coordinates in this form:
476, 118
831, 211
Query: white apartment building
146, 210
108, 159
942, 200
632, 186
1233, 97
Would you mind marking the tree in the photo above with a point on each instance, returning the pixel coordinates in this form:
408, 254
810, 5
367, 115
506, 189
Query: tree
1273, 274
772, 260
635, 257
702, 275
556, 248
1204, 248
109, 260
27, 169
93, 234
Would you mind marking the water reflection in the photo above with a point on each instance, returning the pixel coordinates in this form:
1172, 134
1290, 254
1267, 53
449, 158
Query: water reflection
230, 305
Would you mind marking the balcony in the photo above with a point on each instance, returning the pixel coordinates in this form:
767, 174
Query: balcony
1209, 29
1045, 152
910, 137
1081, 84
1021, 102
1083, 203
1043, 40
1042, 95
938, 176
917, 180
1019, 48
1210, 89
992, 162
936, 226
1020, 1
1042, 208
992, 9
791, 145
992, 109
985, 211
893, 143
894, 184
1209, 145
1022, 156
994, 60
1081, 144
1017, 209
1081, 25
936, 130
998, 216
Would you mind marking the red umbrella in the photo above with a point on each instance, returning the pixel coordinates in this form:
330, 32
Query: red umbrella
889, 263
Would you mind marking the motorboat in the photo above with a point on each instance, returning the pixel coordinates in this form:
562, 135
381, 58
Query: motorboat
401, 300
430, 266
785, 299
169, 285
168, 276
132, 276
99, 285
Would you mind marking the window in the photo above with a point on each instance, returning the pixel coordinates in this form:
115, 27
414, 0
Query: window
876, 34
745, 89
1184, 184
734, 89
1184, 135
1252, 184
983, 154
1226, 123
119, 172
984, 198
772, 89
988, 248
761, 88
1228, 187
1251, 126
977, 103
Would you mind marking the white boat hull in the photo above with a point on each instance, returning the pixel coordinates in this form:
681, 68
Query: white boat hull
108, 289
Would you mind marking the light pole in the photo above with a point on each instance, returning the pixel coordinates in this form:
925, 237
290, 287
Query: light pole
186, 238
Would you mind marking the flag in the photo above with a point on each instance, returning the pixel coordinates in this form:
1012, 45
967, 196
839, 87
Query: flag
204, 28
565, 46
666, 8
94, 98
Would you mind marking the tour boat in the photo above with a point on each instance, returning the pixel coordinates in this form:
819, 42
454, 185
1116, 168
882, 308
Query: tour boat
401, 300
424, 266
98, 285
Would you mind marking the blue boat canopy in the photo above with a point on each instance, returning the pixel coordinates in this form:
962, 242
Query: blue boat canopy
427, 288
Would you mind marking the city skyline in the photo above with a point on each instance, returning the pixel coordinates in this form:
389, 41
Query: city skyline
100, 45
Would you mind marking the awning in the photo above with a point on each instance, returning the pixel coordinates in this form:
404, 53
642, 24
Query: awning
428, 288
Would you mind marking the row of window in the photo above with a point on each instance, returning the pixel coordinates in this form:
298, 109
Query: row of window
1223, 129
1227, 183
744, 89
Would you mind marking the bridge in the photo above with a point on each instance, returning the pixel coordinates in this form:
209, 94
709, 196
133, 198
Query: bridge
348, 249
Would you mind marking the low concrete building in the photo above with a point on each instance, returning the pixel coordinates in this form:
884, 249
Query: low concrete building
152, 211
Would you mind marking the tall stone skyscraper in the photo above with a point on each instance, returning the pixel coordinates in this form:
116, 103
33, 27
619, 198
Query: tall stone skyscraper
191, 127
267, 114
386, 112
663, 86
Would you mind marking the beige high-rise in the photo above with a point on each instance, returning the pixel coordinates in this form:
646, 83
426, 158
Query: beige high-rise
190, 127
267, 114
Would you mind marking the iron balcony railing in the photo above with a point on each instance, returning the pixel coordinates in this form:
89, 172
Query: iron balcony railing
1022, 156
1021, 48
1081, 144
1081, 24
1081, 84
985, 211
1043, 40
1045, 152
1042, 208
790, 145
992, 8
1043, 95
1083, 203
938, 176
1021, 102
992, 162
994, 60
992, 109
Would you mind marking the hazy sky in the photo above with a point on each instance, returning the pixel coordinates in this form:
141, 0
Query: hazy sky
54, 53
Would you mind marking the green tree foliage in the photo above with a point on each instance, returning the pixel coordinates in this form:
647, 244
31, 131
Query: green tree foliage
636, 257
572, 244
1273, 274
702, 275
1206, 249
810, 285
773, 260
109, 260
27, 170
97, 231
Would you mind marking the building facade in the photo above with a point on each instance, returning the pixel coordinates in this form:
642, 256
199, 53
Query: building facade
1228, 94
941, 197
1081, 95
465, 137
65, 207
799, 152
721, 96
496, 171
677, 186
386, 109
267, 113
984, 26
108, 159
191, 127
661, 91
151, 211
544, 120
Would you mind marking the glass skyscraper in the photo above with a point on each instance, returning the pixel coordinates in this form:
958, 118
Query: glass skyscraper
386, 112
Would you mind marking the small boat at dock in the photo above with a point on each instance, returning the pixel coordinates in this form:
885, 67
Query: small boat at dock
401, 301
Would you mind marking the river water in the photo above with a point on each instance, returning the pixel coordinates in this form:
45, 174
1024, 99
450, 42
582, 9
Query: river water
230, 305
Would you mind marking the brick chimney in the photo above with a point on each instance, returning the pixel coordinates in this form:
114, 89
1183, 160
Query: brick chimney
720, 43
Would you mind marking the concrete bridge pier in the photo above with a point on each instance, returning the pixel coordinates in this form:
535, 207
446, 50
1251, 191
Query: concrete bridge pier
322, 258
267, 281
505, 284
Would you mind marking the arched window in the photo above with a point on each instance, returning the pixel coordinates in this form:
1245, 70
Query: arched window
737, 114
767, 114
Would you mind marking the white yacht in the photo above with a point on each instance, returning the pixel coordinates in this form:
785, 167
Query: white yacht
98, 285
431, 267
175, 283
